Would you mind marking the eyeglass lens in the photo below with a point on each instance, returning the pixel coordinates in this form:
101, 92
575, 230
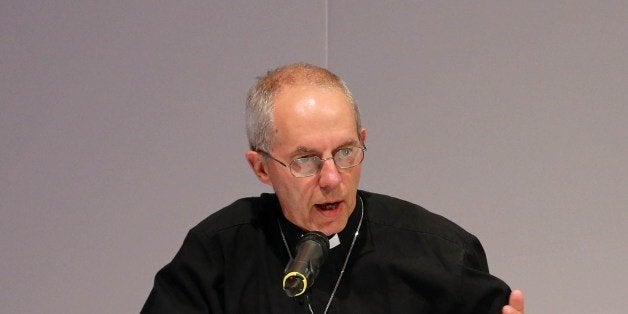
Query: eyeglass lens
343, 158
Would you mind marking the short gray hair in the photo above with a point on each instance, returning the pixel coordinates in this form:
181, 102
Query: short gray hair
259, 102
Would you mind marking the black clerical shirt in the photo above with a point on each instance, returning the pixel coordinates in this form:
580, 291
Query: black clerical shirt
405, 260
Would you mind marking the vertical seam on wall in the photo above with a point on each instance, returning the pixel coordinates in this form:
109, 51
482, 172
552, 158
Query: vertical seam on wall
326, 32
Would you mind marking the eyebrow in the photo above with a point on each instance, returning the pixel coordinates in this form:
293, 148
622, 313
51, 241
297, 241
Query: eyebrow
306, 150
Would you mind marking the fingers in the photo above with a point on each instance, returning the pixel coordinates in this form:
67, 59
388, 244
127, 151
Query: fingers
516, 300
515, 303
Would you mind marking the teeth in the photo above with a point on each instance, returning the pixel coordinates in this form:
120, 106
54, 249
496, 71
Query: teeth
328, 206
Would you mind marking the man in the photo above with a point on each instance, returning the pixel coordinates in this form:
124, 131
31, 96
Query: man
388, 255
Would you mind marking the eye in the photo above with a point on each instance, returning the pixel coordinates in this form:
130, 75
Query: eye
303, 160
344, 152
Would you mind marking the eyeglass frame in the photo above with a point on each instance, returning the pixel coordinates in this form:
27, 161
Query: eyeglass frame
323, 160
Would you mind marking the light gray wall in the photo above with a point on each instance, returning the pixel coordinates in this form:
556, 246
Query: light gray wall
515, 119
121, 127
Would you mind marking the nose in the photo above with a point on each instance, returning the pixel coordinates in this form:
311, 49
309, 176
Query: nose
329, 175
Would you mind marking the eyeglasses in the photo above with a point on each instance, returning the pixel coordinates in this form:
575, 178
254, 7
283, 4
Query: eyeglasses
307, 166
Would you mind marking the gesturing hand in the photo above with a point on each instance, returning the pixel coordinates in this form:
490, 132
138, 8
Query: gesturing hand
515, 303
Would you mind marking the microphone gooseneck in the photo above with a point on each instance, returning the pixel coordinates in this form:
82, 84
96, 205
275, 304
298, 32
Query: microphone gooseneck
312, 249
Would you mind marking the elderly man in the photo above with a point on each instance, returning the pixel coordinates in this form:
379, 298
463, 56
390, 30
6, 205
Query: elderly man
387, 255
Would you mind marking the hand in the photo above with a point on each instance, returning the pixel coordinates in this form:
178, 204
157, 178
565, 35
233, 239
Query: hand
515, 303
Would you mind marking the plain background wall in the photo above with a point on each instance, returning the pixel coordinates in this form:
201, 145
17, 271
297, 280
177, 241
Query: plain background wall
122, 127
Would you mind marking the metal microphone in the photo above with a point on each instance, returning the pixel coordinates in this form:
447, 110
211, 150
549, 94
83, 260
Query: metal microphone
301, 271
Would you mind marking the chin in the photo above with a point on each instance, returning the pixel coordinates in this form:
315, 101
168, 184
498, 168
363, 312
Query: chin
332, 228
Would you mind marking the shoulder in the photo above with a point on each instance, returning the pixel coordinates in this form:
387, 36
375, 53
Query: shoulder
244, 212
397, 214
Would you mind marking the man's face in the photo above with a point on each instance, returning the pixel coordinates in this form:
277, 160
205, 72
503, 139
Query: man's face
311, 120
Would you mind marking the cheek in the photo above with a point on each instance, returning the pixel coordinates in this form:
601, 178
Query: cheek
303, 190
297, 191
279, 179
352, 176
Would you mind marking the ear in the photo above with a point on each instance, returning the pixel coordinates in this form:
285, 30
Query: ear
258, 165
363, 136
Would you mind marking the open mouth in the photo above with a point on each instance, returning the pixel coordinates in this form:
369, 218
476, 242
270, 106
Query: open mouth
328, 206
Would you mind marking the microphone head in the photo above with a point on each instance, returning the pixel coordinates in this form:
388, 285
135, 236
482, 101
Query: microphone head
317, 237
294, 284
312, 249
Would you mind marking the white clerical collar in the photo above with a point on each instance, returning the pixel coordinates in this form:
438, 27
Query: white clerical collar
334, 241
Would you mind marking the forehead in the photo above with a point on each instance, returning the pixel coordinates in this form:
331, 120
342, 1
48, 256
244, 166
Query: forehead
312, 116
